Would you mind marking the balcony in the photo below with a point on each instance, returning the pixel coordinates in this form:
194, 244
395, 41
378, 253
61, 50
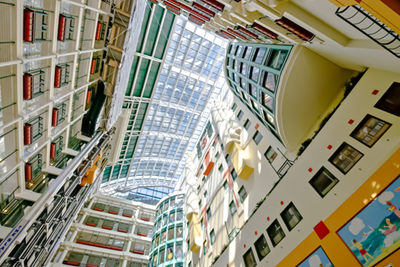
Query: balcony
105, 242
85, 259
372, 27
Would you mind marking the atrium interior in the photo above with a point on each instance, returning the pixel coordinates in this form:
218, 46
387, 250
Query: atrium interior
199, 133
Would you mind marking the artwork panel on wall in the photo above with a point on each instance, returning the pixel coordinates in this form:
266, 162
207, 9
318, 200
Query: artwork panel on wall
316, 259
374, 233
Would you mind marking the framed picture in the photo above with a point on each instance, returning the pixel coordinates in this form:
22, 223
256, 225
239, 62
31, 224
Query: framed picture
374, 233
316, 259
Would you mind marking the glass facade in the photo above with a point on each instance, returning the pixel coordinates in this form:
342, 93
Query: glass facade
168, 233
253, 72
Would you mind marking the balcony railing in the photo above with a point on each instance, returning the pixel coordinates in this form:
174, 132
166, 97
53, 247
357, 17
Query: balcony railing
366, 23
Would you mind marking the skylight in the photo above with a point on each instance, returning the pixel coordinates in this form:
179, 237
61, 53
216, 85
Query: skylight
190, 77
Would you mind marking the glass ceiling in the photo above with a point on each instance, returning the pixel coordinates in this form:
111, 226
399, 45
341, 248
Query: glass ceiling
191, 76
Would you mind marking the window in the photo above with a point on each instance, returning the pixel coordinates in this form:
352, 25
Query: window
268, 80
247, 124
222, 147
212, 236
266, 101
205, 194
238, 50
205, 248
257, 137
248, 258
253, 73
276, 59
162, 255
252, 90
390, 101
291, 216
240, 115
203, 179
171, 233
242, 83
201, 224
255, 106
217, 155
226, 186
233, 174
323, 181
220, 168
179, 251
227, 158
188, 249
370, 130
345, 158
200, 205
170, 252
232, 208
275, 233
270, 154
208, 213
242, 194
198, 189
259, 55
262, 247
245, 97
234, 106
269, 118
247, 52
190, 263
243, 67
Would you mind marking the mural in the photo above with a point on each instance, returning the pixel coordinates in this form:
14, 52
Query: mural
317, 259
374, 233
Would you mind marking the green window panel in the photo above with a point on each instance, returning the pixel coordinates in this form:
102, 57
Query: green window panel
106, 174
131, 147
124, 171
144, 65
140, 116
144, 26
154, 28
115, 172
165, 32
132, 76
151, 79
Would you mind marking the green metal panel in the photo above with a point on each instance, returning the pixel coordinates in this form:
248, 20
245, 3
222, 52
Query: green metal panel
124, 171
132, 76
165, 32
106, 174
144, 26
115, 172
154, 28
131, 147
140, 116
141, 76
151, 79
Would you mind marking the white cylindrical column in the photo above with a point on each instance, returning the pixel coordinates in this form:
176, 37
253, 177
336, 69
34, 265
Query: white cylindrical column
63, 255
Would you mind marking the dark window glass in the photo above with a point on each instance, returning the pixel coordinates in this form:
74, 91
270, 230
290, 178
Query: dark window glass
276, 59
266, 101
323, 181
212, 236
259, 55
242, 194
257, 137
247, 124
208, 213
243, 68
240, 115
390, 101
268, 80
291, 216
234, 106
254, 73
252, 90
247, 52
248, 258
370, 130
270, 154
232, 208
262, 247
275, 233
233, 174
345, 158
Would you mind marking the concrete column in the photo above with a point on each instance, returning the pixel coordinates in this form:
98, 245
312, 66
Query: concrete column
91, 203
129, 245
124, 263
63, 255
74, 234
83, 218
